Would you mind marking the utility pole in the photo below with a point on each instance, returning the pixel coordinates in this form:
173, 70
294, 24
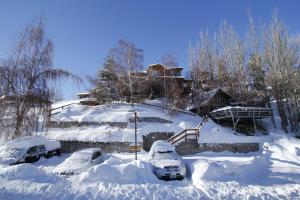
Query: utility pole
135, 133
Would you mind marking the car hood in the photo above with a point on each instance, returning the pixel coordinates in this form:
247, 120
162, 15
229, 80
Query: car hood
167, 163
74, 168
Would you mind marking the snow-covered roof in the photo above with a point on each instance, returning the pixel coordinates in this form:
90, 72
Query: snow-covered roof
83, 93
203, 98
89, 99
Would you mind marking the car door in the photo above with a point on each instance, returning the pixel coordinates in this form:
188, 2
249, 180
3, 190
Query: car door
97, 157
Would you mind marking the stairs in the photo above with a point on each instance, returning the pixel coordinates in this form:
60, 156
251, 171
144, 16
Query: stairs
185, 135
191, 134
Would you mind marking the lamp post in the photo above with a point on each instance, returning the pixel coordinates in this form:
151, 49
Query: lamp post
135, 134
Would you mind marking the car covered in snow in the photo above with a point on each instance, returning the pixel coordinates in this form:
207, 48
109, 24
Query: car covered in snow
28, 149
167, 164
80, 161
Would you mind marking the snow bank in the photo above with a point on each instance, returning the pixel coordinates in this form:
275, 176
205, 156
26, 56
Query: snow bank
115, 170
273, 173
26, 172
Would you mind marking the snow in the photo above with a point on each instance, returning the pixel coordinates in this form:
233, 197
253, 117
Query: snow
115, 170
116, 113
30, 141
77, 162
273, 173
160, 146
210, 132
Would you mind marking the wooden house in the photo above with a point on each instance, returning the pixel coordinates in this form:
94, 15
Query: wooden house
204, 102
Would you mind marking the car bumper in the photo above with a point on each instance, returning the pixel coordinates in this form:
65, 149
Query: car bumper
170, 175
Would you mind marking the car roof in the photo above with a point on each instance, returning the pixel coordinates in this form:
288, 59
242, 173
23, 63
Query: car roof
161, 145
89, 150
26, 142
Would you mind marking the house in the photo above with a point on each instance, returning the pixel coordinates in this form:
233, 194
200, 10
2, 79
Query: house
86, 98
84, 95
204, 102
167, 76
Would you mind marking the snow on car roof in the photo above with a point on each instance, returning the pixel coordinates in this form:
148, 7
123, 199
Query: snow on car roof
26, 142
164, 148
161, 146
30, 141
89, 150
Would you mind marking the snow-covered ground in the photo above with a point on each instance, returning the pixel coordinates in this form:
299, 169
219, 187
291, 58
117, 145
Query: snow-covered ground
115, 113
209, 133
273, 173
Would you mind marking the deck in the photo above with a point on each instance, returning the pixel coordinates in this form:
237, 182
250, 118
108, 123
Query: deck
242, 112
236, 113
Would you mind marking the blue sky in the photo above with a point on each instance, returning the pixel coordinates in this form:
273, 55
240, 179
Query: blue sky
84, 31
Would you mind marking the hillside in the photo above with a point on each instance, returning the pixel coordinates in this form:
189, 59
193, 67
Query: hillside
114, 123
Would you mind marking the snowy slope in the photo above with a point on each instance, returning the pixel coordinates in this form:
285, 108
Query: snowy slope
116, 113
210, 132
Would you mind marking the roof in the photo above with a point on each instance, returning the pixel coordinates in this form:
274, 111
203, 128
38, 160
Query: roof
83, 93
204, 98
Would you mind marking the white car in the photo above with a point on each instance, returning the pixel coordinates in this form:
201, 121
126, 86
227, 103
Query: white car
80, 161
167, 164
28, 149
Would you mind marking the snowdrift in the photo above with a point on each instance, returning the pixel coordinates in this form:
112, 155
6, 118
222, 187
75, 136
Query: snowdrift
114, 170
27, 172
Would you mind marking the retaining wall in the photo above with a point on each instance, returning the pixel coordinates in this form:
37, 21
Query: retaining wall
55, 124
72, 146
191, 147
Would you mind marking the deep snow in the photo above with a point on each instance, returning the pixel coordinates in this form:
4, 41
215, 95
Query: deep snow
273, 173
120, 112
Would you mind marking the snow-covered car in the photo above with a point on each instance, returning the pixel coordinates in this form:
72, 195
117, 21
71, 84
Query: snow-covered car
167, 164
80, 161
28, 149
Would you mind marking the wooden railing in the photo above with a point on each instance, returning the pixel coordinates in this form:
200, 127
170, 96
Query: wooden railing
186, 134
61, 107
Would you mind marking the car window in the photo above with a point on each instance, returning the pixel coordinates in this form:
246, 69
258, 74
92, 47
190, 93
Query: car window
31, 150
96, 155
36, 149
167, 155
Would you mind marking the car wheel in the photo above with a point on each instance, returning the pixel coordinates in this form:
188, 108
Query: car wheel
47, 155
27, 159
36, 158
57, 152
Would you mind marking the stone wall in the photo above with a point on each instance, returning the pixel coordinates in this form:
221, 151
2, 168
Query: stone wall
72, 146
191, 147
55, 124
183, 148
151, 120
154, 136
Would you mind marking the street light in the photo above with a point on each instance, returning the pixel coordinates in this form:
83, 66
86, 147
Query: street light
135, 134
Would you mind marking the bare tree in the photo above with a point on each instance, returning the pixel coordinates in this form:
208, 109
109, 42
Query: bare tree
129, 59
27, 78
281, 59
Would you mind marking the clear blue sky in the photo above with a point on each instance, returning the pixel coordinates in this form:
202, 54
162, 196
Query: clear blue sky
84, 31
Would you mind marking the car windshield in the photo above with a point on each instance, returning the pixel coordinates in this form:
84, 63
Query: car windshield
12, 152
79, 158
165, 155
